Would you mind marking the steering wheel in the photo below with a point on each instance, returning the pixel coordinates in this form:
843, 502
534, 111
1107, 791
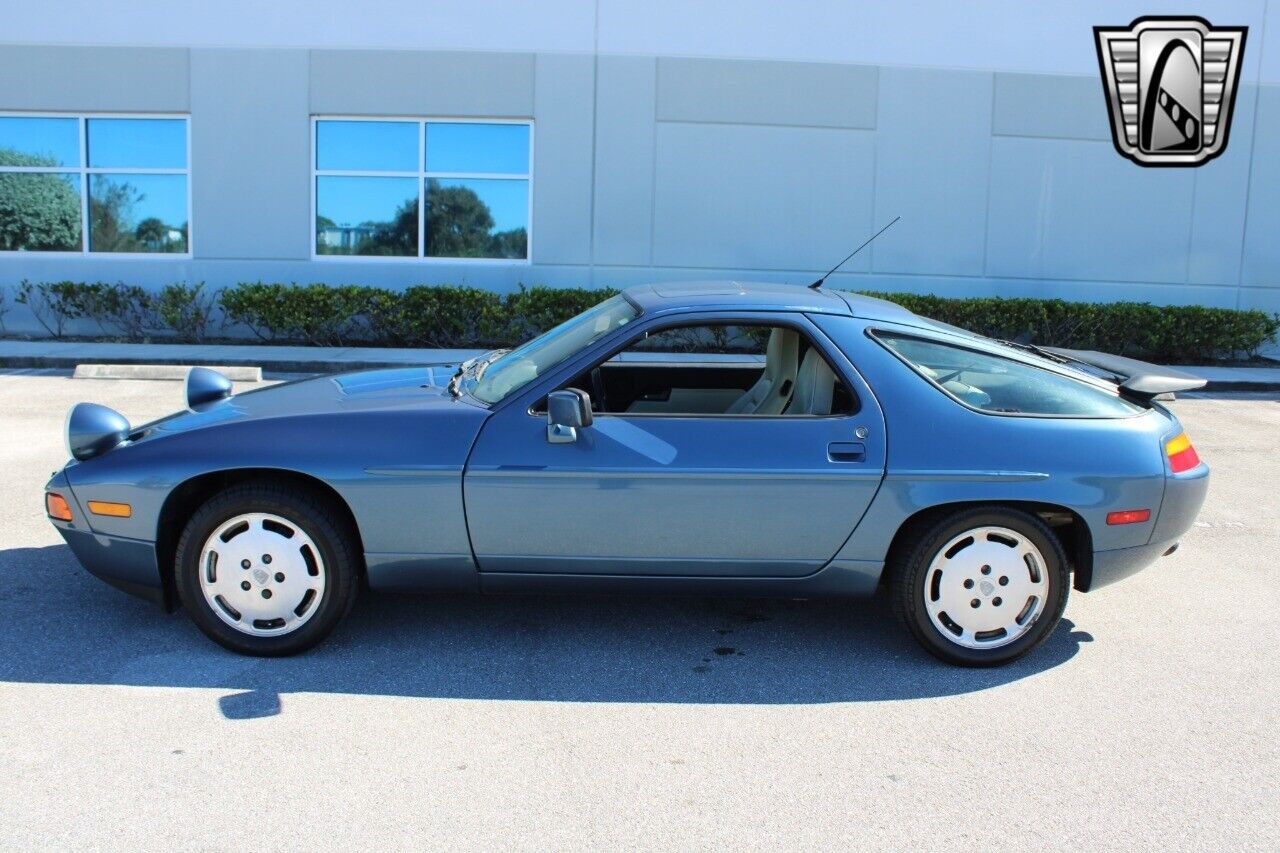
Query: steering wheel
597, 390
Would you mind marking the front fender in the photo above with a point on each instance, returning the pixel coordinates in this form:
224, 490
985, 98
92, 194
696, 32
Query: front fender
398, 472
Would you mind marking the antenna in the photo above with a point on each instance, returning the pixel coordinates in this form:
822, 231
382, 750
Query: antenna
819, 282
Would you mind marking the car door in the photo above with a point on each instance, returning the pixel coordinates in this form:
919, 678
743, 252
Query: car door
687, 495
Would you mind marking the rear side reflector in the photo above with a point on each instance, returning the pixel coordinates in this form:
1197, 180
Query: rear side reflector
1182, 456
113, 509
1129, 516
56, 506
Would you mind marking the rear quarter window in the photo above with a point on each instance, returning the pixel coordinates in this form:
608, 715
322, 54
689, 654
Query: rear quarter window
1005, 386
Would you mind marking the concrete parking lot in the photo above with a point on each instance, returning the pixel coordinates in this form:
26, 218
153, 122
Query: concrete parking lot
1149, 719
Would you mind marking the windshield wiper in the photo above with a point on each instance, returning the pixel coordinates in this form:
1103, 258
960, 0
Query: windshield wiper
1040, 351
476, 367
482, 364
1075, 363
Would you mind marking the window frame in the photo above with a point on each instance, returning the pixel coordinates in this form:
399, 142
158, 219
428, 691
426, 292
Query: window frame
662, 324
83, 170
875, 334
421, 175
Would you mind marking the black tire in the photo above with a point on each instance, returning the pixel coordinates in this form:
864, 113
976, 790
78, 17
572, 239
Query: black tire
909, 577
315, 515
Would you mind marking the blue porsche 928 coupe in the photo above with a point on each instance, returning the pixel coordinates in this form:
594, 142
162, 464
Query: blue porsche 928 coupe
746, 439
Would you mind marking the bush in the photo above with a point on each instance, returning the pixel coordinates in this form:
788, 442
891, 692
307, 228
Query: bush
447, 317
121, 310
53, 304
532, 311
186, 310
419, 316
315, 313
1181, 333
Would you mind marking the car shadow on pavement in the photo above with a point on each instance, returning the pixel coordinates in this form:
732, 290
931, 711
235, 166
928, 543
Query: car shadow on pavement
62, 626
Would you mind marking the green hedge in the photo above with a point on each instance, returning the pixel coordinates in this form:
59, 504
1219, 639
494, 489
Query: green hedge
463, 317
419, 316
1183, 333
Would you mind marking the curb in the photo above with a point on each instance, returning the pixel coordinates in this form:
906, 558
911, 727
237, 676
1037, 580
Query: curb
161, 372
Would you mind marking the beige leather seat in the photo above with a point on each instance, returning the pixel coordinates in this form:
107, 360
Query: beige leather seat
772, 390
815, 386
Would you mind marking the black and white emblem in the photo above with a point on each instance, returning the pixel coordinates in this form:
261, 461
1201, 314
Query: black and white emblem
1171, 84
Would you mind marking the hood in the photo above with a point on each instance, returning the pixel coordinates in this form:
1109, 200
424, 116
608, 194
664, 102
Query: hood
363, 391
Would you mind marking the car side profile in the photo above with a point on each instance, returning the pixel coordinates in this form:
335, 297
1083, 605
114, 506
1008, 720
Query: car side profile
720, 437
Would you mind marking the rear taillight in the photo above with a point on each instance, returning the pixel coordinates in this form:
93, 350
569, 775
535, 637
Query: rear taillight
1182, 456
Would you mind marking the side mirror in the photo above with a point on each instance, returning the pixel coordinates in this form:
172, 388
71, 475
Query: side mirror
567, 412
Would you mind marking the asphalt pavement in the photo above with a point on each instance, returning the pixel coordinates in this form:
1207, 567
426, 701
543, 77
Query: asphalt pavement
1147, 721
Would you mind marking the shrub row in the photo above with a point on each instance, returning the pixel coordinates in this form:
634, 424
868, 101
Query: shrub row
419, 316
120, 310
1183, 333
453, 316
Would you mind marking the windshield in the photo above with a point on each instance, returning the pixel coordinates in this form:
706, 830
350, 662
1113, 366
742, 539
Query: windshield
491, 380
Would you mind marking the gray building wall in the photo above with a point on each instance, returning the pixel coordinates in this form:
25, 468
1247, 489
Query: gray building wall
659, 167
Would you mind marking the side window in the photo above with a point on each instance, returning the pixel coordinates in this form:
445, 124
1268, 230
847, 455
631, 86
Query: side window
1004, 386
718, 369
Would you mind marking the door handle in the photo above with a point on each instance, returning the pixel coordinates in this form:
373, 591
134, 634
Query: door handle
846, 451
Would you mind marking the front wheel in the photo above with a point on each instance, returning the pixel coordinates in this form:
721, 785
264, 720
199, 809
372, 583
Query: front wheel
983, 586
265, 569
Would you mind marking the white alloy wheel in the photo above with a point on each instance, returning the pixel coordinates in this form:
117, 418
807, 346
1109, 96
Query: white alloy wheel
986, 587
262, 574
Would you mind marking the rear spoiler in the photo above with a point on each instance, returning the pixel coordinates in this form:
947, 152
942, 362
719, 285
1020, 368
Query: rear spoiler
1138, 378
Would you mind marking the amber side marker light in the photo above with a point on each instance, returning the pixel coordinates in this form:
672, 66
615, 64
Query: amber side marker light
111, 509
1182, 456
1129, 516
56, 506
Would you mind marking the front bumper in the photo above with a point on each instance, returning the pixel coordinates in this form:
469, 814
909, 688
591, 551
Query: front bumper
127, 564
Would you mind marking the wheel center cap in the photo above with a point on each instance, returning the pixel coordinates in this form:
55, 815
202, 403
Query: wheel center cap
987, 587
261, 576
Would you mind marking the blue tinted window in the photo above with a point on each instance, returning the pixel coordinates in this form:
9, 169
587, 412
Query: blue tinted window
502, 148
137, 143
376, 146
137, 213
39, 212
366, 216
39, 141
477, 218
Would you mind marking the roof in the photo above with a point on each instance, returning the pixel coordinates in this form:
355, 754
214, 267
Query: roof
764, 296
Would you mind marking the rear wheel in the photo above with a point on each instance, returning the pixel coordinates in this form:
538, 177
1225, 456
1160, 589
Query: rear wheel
983, 586
265, 569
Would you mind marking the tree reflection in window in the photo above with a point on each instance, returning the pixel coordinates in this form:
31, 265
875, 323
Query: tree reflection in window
458, 225
135, 177
470, 199
39, 211
123, 213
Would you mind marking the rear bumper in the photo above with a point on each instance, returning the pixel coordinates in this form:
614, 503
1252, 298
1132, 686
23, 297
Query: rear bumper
127, 564
1111, 566
1183, 496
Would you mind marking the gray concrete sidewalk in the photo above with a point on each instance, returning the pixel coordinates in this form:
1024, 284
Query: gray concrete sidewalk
304, 359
